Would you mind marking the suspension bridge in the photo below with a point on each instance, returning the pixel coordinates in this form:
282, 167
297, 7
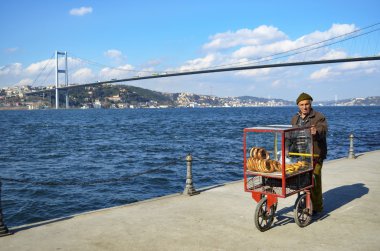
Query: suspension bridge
290, 58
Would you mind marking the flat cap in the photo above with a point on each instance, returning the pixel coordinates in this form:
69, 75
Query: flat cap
304, 96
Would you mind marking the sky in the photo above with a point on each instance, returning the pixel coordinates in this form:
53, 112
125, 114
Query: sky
119, 39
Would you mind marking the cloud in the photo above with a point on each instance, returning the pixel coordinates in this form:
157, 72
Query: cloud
259, 35
198, 63
334, 31
82, 75
263, 50
41, 72
39, 66
333, 54
80, 11
322, 73
357, 65
254, 73
11, 70
145, 71
117, 73
280, 43
351, 68
49, 64
11, 50
276, 83
73, 63
115, 54
153, 62
25, 81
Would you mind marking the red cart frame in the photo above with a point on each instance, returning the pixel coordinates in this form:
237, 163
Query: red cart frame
266, 188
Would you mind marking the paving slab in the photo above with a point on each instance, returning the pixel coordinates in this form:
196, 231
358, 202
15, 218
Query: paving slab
222, 218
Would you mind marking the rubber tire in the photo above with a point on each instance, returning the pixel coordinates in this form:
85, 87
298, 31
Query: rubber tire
261, 217
302, 215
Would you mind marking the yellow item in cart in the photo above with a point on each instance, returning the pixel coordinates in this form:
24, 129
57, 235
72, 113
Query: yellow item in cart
291, 168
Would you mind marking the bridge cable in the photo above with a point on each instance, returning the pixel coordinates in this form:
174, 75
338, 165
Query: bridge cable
261, 59
111, 67
322, 46
43, 69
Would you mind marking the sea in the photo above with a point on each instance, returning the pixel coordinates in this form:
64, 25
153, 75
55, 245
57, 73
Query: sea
56, 163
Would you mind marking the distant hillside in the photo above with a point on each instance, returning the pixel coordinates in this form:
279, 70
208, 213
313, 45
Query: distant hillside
368, 101
247, 99
118, 93
148, 95
126, 96
137, 96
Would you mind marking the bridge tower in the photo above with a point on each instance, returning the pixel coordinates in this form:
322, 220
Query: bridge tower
57, 71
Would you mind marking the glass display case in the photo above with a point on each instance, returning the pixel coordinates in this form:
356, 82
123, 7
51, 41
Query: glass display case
278, 160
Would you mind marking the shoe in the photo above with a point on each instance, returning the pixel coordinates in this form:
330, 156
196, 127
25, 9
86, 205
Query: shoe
316, 215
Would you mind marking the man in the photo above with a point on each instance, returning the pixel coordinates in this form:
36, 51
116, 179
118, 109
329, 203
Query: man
307, 116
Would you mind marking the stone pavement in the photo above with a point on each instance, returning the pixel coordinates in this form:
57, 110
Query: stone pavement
221, 218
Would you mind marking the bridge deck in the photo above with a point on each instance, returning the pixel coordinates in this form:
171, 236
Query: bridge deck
225, 69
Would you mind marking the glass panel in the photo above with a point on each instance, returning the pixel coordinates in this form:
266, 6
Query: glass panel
262, 141
298, 146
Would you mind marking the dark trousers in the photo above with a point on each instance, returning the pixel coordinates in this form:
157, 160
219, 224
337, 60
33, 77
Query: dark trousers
316, 191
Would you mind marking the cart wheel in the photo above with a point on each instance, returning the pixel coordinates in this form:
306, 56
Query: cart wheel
264, 219
302, 214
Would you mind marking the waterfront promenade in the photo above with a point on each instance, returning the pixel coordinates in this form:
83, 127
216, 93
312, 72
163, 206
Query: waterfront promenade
221, 218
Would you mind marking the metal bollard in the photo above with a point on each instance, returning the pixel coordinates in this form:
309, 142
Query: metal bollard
3, 228
189, 188
351, 154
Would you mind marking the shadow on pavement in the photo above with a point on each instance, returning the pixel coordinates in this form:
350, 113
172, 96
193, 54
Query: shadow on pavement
340, 196
332, 200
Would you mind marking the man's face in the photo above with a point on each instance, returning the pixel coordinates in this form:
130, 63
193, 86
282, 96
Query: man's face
305, 107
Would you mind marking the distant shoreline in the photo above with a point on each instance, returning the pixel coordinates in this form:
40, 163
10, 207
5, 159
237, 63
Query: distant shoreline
76, 108
13, 108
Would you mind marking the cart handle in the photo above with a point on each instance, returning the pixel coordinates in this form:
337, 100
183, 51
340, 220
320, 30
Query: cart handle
303, 154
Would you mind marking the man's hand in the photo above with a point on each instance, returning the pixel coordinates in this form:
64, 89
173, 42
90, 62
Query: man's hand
313, 130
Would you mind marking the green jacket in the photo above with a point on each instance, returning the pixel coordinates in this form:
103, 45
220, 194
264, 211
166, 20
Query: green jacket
319, 121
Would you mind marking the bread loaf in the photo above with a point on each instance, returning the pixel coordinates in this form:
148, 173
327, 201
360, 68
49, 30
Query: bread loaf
259, 153
259, 161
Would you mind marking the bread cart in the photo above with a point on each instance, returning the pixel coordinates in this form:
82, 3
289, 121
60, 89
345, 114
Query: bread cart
278, 162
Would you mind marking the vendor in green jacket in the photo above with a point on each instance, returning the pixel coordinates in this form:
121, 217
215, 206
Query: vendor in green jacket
307, 116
